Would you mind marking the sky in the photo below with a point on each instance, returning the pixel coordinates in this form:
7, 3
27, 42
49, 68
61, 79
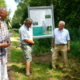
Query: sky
12, 6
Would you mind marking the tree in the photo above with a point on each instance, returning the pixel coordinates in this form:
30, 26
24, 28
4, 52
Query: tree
20, 14
2, 3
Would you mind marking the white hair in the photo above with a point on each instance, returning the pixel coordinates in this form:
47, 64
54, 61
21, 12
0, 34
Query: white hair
62, 22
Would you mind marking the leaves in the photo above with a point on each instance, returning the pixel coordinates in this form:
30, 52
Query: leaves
2, 3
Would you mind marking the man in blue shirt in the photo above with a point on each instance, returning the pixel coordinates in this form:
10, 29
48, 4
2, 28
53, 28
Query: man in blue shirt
26, 38
61, 39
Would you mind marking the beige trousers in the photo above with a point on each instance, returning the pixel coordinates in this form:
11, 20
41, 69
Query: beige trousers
60, 48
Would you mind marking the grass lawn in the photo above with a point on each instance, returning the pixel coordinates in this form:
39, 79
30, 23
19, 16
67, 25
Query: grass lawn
41, 64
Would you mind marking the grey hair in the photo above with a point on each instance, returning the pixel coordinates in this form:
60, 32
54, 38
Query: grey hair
62, 22
28, 20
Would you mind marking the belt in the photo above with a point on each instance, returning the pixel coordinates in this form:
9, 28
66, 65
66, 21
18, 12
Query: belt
60, 44
27, 44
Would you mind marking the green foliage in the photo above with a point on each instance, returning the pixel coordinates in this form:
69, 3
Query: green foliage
2, 3
14, 33
75, 49
42, 45
74, 34
20, 14
40, 2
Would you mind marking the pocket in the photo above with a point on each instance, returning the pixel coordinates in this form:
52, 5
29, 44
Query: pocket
29, 48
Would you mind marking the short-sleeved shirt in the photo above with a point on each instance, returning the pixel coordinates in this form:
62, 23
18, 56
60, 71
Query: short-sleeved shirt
25, 33
61, 37
4, 36
2, 50
4, 31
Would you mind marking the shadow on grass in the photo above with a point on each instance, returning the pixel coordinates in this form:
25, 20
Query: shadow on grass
19, 69
16, 55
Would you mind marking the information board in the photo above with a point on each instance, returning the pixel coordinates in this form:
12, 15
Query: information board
43, 21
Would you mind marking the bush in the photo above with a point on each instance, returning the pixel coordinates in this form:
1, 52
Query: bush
75, 49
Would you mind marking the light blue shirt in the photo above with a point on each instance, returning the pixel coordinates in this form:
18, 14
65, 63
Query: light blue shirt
25, 33
61, 37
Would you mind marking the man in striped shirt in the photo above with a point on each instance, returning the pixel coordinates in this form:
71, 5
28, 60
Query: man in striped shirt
4, 43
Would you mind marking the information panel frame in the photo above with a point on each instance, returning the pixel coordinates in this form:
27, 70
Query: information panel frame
43, 21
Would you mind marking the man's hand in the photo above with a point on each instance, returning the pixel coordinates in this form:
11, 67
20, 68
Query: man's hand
6, 44
52, 44
0, 23
31, 42
68, 49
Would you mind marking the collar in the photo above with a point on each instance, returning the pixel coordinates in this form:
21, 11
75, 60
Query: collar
61, 31
26, 27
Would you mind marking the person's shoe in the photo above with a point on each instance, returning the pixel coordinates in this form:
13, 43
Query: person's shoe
28, 74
